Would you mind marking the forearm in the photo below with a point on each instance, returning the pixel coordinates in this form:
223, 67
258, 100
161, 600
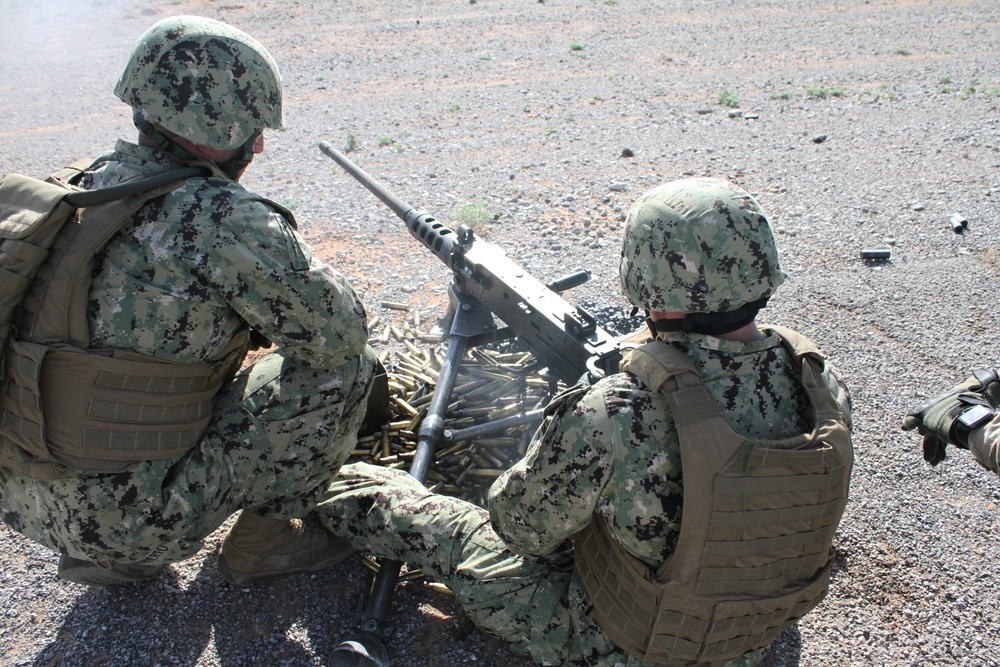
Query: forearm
984, 443
550, 494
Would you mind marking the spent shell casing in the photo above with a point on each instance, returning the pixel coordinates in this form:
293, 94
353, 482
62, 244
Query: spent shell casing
438, 587
876, 253
959, 223
417, 418
486, 472
408, 383
395, 305
386, 449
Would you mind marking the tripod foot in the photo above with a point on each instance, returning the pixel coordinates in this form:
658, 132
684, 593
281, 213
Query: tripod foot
362, 649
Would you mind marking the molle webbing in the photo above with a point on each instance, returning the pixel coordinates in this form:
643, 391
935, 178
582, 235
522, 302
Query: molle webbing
66, 409
759, 517
97, 411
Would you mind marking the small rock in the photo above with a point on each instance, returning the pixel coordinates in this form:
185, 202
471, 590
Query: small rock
819, 138
736, 113
628, 152
617, 187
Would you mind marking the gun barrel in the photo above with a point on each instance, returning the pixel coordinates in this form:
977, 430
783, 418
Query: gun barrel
438, 238
566, 339
398, 206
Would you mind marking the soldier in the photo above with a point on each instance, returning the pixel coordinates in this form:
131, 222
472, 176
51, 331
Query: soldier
152, 437
964, 416
679, 512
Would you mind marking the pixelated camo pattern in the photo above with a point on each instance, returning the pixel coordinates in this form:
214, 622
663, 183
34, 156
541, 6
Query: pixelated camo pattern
203, 80
536, 604
196, 267
613, 449
985, 445
609, 448
202, 262
279, 433
698, 245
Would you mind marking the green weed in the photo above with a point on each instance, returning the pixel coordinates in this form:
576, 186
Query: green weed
727, 98
473, 213
823, 93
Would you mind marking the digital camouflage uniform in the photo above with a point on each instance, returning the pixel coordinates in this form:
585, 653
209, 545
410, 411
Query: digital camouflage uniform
985, 444
192, 270
610, 449
699, 246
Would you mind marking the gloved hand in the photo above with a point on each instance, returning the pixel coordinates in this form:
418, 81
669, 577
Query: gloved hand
949, 417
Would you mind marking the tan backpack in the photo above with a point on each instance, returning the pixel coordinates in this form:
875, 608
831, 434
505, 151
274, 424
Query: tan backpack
66, 409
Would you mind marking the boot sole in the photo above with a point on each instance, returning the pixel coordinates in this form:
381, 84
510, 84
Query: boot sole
86, 573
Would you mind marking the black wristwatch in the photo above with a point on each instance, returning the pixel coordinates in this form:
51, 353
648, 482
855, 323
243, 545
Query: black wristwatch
974, 417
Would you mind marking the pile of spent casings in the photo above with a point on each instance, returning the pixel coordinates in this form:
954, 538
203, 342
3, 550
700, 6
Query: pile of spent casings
497, 381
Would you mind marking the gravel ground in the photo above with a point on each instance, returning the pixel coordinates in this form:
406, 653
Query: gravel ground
865, 124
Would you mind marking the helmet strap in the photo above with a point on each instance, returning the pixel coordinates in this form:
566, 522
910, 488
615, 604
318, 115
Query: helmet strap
710, 324
230, 168
233, 167
162, 141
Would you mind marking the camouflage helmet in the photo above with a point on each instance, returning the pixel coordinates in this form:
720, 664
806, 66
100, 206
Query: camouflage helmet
203, 80
698, 245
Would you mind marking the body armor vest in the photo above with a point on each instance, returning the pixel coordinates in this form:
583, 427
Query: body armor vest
755, 547
66, 409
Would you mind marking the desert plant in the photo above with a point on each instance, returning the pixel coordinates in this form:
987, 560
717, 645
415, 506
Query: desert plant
472, 213
823, 93
727, 98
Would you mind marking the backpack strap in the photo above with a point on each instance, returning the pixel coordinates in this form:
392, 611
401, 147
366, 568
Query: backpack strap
85, 198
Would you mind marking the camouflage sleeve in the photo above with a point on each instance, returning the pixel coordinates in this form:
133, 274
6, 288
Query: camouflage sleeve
984, 443
268, 274
836, 384
551, 494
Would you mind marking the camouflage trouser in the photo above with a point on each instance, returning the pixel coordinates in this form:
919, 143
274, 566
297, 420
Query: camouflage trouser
279, 433
536, 604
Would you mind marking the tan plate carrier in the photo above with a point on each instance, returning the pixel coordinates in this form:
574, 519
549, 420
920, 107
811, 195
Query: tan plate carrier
66, 409
754, 552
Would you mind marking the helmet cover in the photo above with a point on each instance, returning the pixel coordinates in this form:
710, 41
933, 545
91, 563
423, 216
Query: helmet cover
203, 80
698, 245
